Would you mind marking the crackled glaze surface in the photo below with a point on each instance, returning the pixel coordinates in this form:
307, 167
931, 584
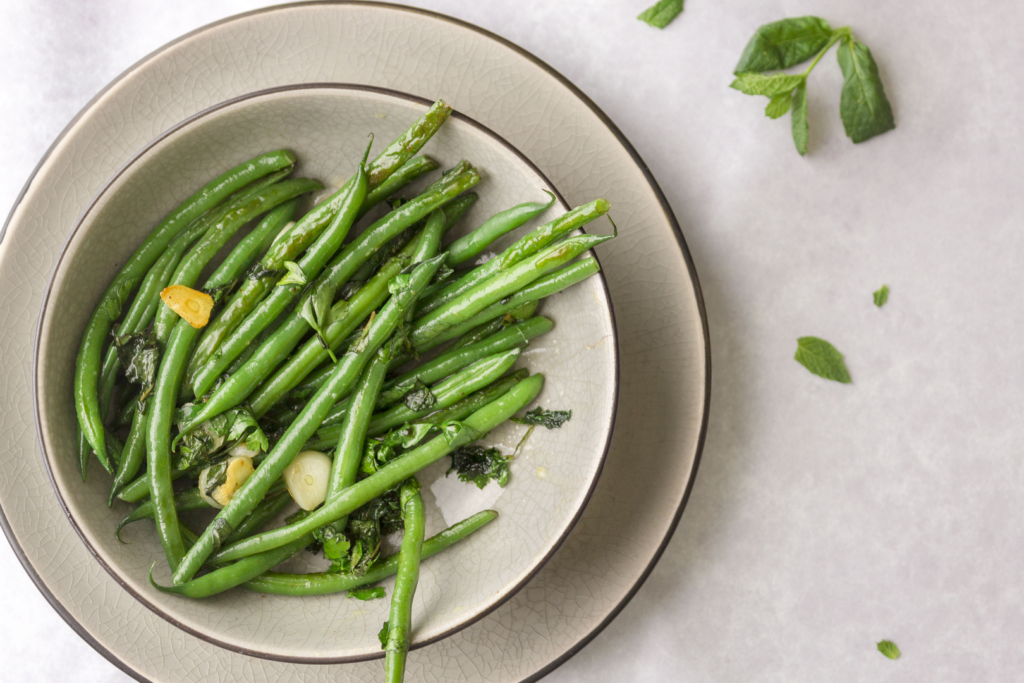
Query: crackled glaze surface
554, 471
661, 413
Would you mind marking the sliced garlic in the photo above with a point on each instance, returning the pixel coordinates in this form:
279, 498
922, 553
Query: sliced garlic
307, 478
219, 483
194, 306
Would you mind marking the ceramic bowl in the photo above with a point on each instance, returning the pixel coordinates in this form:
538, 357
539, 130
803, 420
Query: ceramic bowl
552, 476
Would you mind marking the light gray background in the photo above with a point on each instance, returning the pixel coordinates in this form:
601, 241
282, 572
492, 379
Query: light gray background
825, 517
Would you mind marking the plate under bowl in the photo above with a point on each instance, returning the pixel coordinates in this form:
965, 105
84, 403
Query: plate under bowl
552, 477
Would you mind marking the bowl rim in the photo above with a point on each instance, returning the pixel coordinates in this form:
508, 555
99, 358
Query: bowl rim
64, 253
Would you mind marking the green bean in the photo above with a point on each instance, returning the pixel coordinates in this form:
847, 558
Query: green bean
87, 364
189, 499
240, 258
324, 583
176, 353
298, 371
501, 285
225, 578
312, 261
501, 223
147, 302
526, 246
449, 391
202, 253
268, 508
139, 488
349, 452
539, 289
337, 273
511, 337
346, 373
327, 437
391, 161
409, 172
396, 471
399, 624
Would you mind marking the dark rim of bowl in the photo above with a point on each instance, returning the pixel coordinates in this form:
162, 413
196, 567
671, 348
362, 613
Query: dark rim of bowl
669, 215
507, 592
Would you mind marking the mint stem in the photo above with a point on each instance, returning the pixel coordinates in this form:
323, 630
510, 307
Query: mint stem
837, 35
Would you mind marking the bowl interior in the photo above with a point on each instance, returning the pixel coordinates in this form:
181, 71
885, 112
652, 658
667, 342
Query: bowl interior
552, 475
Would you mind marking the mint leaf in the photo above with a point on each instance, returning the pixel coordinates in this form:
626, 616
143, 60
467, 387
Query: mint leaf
295, 275
863, 106
552, 419
770, 85
783, 44
799, 118
372, 593
317, 311
889, 649
420, 398
779, 105
822, 359
383, 635
661, 13
881, 296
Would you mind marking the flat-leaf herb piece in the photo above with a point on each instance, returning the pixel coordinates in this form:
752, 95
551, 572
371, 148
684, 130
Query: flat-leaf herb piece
295, 275
479, 465
318, 312
822, 359
371, 593
782, 44
881, 296
420, 398
140, 357
769, 85
863, 106
552, 419
779, 105
661, 13
889, 649
801, 132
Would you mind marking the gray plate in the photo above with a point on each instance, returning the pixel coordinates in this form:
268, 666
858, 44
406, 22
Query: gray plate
665, 369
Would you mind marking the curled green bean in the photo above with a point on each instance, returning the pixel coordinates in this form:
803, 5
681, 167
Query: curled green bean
501, 223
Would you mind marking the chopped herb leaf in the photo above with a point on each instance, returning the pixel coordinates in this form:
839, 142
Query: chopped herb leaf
552, 419
420, 398
661, 13
822, 359
258, 271
479, 465
881, 296
889, 649
295, 275
361, 342
383, 635
140, 356
318, 312
371, 593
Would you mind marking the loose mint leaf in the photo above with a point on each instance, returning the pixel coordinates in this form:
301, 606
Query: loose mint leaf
193, 448
552, 419
801, 134
863, 106
420, 398
661, 13
889, 649
371, 593
243, 425
295, 275
779, 105
140, 356
881, 296
821, 358
479, 465
318, 312
258, 271
783, 44
383, 635
770, 85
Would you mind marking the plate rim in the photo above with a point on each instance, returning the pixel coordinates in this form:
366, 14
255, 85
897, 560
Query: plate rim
612, 128
36, 373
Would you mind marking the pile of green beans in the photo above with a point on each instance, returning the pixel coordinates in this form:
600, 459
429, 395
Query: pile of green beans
306, 327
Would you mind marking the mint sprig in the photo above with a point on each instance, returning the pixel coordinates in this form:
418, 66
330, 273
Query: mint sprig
863, 106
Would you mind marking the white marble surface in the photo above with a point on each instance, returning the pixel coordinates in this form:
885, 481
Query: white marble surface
824, 517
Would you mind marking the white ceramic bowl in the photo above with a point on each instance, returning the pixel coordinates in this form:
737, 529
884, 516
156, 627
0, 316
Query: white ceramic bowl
552, 477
